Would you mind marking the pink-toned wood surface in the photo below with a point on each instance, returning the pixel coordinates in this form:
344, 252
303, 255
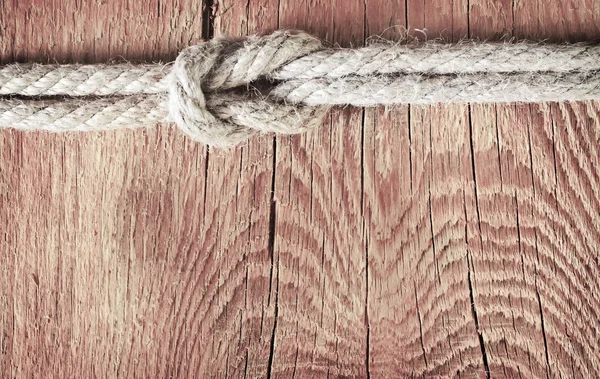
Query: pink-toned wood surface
439, 241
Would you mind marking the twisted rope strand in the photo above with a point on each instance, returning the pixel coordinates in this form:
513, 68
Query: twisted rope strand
418, 89
82, 80
103, 114
242, 66
223, 91
436, 58
82, 115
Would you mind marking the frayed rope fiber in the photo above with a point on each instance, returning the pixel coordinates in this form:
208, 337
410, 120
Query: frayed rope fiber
223, 91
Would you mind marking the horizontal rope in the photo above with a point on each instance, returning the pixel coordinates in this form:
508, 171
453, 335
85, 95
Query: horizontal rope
82, 114
223, 91
419, 89
436, 58
102, 114
379, 59
82, 80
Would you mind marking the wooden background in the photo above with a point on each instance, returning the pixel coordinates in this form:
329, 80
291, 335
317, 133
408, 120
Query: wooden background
415, 241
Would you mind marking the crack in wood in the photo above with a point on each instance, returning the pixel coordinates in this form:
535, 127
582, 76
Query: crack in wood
271, 246
469, 265
208, 19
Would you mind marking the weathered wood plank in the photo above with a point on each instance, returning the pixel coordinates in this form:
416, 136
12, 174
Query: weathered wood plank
109, 224
521, 303
244, 260
322, 328
445, 241
557, 21
417, 204
95, 31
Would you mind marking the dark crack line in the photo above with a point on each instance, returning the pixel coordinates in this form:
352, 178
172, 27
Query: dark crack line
410, 168
366, 242
208, 20
469, 261
420, 327
271, 247
476, 320
537, 293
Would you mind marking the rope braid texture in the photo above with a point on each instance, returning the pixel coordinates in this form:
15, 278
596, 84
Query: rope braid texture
223, 91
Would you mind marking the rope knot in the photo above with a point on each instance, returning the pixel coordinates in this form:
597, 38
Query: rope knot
208, 90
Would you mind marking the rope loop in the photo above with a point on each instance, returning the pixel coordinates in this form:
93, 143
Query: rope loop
202, 97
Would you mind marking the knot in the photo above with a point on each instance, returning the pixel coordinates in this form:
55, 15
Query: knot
210, 94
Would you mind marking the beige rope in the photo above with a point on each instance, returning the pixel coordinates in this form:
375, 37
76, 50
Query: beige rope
222, 91
82, 80
419, 89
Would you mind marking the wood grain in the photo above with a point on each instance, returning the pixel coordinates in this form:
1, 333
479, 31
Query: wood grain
435, 241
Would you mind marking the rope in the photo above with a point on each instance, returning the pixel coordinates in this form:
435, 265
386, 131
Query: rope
81, 114
82, 80
418, 89
223, 91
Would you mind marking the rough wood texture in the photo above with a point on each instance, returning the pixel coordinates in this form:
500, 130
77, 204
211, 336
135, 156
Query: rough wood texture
414, 241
